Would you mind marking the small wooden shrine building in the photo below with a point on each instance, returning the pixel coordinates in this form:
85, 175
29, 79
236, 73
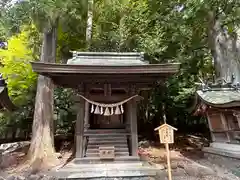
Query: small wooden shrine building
220, 104
107, 86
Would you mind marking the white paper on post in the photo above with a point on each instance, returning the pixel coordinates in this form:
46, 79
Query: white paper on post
166, 135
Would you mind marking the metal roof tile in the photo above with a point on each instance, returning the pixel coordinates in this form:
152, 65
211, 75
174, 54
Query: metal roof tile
107, 58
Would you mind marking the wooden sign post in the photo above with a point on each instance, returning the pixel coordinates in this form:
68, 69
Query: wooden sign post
166, 135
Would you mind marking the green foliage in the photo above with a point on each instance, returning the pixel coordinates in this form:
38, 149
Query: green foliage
167, 31
17, 69
161, 30
64, 110
21, 80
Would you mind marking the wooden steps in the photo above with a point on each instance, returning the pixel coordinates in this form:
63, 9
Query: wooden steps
106, 137
109, 142
106, 132
89, 154
118, 149
100, 131
96, 146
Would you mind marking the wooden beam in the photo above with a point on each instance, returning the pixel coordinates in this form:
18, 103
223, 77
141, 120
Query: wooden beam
237, 115
86, 116
225, 127
132, 110
112, 98
119, 83
76, 79
210, 128
86, 69
238, 119
79, 129
224, 131
107, 90
80, 125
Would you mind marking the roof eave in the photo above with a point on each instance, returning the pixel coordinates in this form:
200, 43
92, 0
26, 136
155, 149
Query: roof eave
225, 105
222, 105
88, 69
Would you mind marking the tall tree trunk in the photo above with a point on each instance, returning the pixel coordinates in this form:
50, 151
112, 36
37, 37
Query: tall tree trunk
42, 144
121, 33
89, 24
225, 51
122, 29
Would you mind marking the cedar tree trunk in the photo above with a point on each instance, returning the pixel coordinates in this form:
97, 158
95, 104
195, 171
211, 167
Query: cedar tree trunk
225, 50
89, 24
42, 144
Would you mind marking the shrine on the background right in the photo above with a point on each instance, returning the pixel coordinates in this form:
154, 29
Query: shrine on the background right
220, 104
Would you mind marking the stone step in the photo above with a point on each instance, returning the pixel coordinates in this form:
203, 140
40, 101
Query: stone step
96, 150
96, 138
97, 160
106, 131
94, 146
115, 134
116, 154
106, 142
118, 165
221, 152
129, 170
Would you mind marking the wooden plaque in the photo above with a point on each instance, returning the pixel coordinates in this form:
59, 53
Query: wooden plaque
107, 152
166, 135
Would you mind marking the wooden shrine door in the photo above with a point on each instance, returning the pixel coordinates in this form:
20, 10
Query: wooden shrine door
108, 122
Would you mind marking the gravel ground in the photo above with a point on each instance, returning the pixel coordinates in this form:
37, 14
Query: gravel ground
224, 168
192, 166
197, 178
195, 165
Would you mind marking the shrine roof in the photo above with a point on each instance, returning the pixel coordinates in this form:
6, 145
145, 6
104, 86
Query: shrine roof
165, 125
220, 97
168, 68
111, 67
226, 95
107, 58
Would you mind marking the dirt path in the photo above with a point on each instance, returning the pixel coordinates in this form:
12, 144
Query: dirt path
186, 164
227, 168
194, 165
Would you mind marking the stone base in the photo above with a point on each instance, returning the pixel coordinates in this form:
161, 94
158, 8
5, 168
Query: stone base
97, 160
99, 171
224, 149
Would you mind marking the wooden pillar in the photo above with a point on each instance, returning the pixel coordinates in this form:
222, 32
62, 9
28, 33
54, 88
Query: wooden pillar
238, 119
127, 118
225, 127
210, 128
128, 126
80, 127
237, 115
132, 115
133, 126
86, 116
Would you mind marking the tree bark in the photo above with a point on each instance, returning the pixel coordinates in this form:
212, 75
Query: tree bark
225, 50
42, 143
89, 24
